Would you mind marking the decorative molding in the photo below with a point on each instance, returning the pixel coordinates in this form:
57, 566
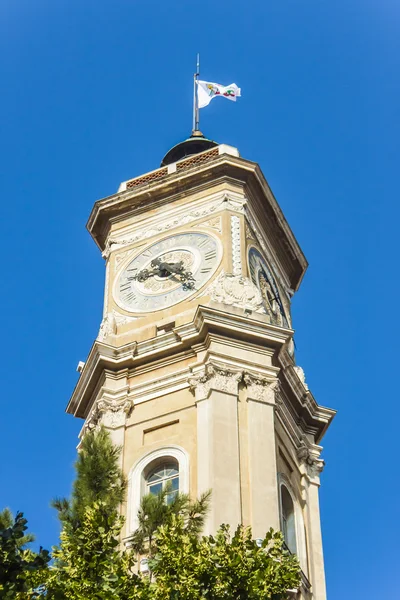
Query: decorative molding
215, 223
236, 290
148, 232
184, 218
260, 388
216, 378
190, 339
234, 204
249, 234
236, 246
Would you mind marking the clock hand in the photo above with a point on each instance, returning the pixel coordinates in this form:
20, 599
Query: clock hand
164, 269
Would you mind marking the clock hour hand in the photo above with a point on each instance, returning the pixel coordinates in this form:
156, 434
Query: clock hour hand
162, 268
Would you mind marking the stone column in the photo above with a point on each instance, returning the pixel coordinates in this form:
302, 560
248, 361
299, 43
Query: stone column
218, 467
264, 500
311, 468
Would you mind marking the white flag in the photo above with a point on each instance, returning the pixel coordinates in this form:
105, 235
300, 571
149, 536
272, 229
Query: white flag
206, 91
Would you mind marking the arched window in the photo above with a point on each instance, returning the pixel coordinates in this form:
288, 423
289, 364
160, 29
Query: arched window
292, 521
151, 473
162, 475
288, 520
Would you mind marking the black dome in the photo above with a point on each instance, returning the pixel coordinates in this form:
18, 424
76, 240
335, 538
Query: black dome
193, 145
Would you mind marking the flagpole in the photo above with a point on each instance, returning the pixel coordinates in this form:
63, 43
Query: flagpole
195, 99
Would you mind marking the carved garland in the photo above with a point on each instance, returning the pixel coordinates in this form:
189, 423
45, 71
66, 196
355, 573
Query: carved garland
148, 232
235, 290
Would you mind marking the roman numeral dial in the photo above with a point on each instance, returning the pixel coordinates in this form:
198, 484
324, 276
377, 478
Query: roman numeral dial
144, 287
262, 277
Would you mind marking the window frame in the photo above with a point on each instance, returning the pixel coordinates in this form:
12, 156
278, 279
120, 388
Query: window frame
136, 478
151, 470
299, 524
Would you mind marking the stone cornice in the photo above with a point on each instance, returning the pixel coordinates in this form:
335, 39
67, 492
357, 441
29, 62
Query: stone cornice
314, 418
208, 320
296, 406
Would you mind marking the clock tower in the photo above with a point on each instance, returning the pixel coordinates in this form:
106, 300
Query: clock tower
193, 369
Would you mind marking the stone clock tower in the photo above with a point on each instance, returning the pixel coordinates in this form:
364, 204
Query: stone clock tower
193, 370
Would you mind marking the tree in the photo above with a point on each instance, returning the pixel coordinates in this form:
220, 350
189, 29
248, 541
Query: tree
221, 566
18, 565
98, 478
89, 562
7, 520
157, 510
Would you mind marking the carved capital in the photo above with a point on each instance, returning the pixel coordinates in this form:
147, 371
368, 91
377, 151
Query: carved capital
215, 378
113, 413
110, 412
310, 459
260, 388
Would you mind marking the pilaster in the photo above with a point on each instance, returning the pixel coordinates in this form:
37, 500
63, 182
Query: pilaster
216, 393
311, 467
262, 453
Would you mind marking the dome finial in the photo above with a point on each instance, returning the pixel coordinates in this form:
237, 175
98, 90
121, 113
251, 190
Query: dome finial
194, 145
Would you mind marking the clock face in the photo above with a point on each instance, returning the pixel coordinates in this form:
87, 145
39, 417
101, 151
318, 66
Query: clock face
262, 277
141, 287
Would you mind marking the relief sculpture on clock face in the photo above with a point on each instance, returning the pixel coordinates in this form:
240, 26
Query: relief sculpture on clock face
262, 277
167, 272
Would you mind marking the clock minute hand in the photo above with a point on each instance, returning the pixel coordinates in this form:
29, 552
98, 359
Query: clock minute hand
175, 269
163, 269
167, 267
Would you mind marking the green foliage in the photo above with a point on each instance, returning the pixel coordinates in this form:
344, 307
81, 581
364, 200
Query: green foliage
7, 520
89, 564
18, 565
158, 509
99, 478
219, 567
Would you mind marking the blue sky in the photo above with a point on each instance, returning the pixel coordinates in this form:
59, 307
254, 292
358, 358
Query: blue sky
94, 93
